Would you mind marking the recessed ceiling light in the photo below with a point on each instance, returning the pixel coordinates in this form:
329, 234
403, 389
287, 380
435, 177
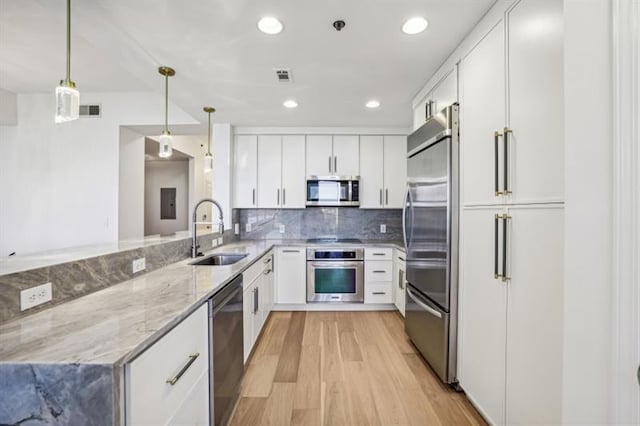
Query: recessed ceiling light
373, 104
269, 25
415, 25
290, 103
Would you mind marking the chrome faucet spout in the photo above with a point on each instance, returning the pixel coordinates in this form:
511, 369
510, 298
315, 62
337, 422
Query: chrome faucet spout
194, 236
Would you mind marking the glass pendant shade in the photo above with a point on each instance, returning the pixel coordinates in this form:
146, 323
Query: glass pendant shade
208, 162
166, 148
67, 103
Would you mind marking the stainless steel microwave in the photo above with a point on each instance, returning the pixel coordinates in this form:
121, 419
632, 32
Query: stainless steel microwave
333, 191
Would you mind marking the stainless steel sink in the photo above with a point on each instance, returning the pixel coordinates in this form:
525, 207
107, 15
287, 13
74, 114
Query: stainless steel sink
220, 259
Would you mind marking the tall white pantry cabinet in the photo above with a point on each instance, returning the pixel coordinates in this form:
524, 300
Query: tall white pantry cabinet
511, 281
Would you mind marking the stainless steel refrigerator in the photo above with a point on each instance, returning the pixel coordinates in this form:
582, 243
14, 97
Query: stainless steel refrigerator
430, 226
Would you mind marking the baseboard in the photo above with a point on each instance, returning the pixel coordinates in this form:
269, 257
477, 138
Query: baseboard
335, 307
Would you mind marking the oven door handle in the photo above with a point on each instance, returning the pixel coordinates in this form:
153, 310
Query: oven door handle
336, 264
423, 305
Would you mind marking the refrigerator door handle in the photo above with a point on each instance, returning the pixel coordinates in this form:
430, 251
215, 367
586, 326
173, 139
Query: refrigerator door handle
404, 218
423, 305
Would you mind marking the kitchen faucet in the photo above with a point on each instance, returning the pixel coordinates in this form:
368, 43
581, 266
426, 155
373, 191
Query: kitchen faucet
194, 237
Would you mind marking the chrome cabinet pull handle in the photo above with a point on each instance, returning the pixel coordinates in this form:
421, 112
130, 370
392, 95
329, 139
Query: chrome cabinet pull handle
380, 196
379, 292
506, 190
291, 251
330, 164
254, 197
192, 358
278, 197
378, 254
284, 196
386, 196
335, 164
401, 258
379, 272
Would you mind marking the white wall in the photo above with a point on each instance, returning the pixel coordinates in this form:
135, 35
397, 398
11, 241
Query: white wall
131, 178
165, 174
588, 212
8, 108
59, 183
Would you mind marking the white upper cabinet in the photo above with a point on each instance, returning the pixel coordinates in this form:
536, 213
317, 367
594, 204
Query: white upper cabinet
346, 155
269, 171
371, 166
245, 171
536, 116
294, 193
446, 92
333, 155
395, 171
389, 155
482, 87
319, 155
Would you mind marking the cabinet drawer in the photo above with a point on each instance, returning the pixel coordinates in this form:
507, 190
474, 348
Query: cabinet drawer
378, 293
150, 398
377, 271
372, 253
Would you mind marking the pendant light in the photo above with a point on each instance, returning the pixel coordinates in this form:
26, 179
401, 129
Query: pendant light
166, 149
208, 158
67, 96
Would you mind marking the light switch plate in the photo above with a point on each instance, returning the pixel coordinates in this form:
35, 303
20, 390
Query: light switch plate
248, 227
35, 296
383, 228
139, 265
282, 228
220, 241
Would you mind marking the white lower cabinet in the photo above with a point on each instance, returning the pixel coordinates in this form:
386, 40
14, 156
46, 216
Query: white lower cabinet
378, 275
399, 280
169, 382
291, 275
257, 300
510, 354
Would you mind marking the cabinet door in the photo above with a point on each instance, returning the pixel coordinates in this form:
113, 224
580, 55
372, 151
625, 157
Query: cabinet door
245, 171
536, 102
395, 171
293, 176
346, 155
194, 410
247, 318
371, 178
534, 315
319, 155
269, 171
482, 106
482, 316
446, 92
291, 275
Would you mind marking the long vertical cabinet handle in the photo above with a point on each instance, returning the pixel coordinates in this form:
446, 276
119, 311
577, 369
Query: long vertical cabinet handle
278, 197
497, 218
284, 196
506, 189
335, 164
254, 196
255, 300
496, 137
330, 165
386, 196
380, 196
505, 226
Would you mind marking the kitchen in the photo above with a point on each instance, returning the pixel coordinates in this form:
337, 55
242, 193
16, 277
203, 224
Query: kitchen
428, 221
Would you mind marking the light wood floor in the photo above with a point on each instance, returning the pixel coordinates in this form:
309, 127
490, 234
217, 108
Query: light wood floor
343, 368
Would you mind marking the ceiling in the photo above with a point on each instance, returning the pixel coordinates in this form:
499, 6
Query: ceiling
221, 59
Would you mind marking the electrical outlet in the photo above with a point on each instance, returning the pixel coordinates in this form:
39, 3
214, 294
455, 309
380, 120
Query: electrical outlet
383, 228
35, 296
139, 265
248, 227
214, 243
220, 241
236, 228
282, 228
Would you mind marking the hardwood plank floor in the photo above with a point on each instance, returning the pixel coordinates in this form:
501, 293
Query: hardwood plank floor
343, 369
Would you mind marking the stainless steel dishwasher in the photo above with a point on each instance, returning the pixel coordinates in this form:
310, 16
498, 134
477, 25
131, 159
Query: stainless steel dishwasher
226, 350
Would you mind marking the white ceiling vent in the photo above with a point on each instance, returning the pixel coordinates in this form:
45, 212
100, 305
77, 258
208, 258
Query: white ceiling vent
90, 110
284, 75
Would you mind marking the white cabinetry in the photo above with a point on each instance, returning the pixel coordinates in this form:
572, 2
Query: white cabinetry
389, 155
291, 275
510, 353
294, 192
169, 382
443, 94
245, 171
513, 139
257, 300
333, 155
269, 171
399, 280
378, 275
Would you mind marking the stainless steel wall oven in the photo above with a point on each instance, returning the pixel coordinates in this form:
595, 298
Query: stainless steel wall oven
335, 274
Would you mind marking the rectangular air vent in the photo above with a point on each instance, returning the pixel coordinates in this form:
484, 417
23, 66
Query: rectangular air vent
283, 75
90, 110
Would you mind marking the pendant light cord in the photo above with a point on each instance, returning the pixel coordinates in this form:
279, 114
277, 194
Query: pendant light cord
209, 137
166, 104
68, 42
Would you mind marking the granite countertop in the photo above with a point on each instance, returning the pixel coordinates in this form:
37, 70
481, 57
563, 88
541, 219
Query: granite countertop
114, 325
